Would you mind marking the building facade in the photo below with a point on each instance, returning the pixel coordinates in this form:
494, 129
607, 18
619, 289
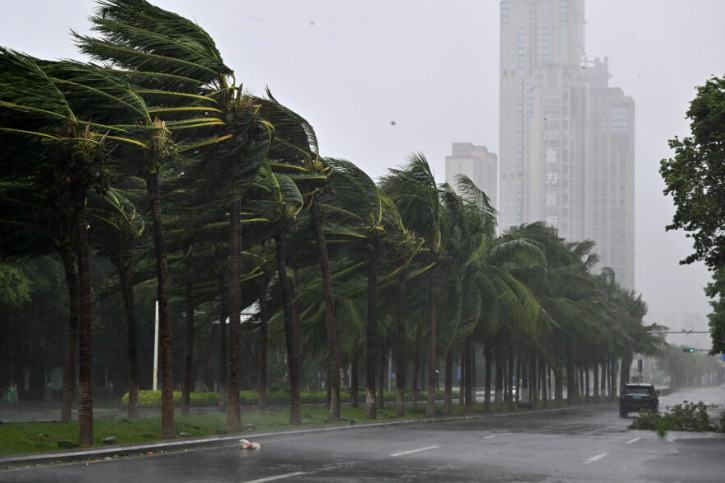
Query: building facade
478, 164
566, 138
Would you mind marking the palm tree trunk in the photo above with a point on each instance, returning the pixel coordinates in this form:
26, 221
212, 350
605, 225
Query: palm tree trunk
262, 374
473, 374
488, 355
330, 320
509, 382
448, 399
85, 357
124, 273
189, 334
559, 384
571, 391
432, 362
370, 407
596, 379
71, 277
543, 383
380, 404
401, 345
467, 361
165, 349
500, 366
234, 416
416, 371
223, 314
291, 334
355, 381
533, 380
624, 371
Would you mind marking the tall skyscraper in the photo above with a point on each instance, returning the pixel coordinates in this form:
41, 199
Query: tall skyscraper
475, 162
566, 137
609, 188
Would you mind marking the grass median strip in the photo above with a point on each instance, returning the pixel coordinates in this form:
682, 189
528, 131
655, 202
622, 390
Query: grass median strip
31, 437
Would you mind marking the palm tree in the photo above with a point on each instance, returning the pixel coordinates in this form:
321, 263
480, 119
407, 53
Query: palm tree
414, 191
295, 149
117, 229
361, 216
53, 102
175, 65
275, 202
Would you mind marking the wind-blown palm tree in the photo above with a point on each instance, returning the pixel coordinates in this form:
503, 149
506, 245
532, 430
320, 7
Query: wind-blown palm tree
175, 65
361, 217
53, 102
415, 193
117, 230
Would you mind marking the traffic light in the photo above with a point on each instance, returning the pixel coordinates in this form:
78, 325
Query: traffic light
688, 349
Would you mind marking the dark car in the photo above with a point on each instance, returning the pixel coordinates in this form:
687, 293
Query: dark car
638, 396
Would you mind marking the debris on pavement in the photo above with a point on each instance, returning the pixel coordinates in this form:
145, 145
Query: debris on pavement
244, 444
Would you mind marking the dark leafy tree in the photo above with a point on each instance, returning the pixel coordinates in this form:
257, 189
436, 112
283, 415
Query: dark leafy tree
695, 178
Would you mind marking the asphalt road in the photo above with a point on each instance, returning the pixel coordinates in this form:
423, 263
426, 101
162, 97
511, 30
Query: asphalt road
583, 444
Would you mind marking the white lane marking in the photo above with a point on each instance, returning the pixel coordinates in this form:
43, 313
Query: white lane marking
489, 437
278, 477
595, 458
414, 451
633, 440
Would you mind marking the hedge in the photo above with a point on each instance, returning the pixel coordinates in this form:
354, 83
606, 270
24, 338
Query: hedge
152, 399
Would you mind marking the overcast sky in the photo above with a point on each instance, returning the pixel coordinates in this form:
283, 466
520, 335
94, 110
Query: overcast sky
380, 80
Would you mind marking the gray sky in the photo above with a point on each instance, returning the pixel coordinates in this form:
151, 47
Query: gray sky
353, 68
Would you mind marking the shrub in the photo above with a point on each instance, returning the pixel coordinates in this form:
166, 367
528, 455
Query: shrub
152, 399
646, 420
690, 417
682, 417
721, 425
202, 399
249, 398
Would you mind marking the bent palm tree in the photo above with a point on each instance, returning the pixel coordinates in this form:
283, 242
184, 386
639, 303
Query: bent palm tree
52, 102
176, 67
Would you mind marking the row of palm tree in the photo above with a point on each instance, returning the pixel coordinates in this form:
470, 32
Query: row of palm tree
254, 215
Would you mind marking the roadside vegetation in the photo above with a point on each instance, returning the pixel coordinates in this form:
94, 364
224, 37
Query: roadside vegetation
688, 416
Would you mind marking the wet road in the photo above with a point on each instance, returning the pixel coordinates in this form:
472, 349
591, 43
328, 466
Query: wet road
583, 444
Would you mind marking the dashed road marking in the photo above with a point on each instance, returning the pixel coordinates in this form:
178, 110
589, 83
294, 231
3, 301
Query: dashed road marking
633, 440
595, 458
278, 477
414, 451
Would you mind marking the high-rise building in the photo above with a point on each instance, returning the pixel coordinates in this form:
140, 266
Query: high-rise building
566, 137
609, 188
475, 162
